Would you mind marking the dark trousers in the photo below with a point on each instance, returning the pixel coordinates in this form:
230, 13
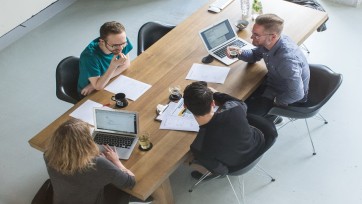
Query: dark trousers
257, 104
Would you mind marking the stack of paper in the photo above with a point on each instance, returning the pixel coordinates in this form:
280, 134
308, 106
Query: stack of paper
176, 117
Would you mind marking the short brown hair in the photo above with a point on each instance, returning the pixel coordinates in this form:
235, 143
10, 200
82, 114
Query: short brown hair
271, 23
198, 98
112, 27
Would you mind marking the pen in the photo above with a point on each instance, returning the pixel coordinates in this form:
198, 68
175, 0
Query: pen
185, 109
182, 112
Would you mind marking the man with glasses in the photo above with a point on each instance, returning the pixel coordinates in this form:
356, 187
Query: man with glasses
104, 58
287, 80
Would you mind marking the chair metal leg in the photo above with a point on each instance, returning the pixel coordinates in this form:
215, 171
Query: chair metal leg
266, 173
290, 120
232, 187
322, 118
199, 181
310, 137
242, 186
304, 47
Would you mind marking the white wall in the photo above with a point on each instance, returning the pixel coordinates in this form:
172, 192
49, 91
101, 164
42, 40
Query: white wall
18, 17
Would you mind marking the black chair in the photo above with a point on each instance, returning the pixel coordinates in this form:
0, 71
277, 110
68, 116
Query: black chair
149, 33
322, 85
67, 74
263, 125
44, 194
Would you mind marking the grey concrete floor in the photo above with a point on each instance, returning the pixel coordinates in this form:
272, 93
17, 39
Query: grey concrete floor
28, 104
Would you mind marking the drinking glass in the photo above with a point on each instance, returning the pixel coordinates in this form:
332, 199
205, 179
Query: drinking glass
144, 141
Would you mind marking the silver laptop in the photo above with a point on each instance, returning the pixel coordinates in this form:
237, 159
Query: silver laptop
116, 128
220, 35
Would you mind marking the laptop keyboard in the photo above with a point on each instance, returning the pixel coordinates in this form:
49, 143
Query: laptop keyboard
221, 52
112, 140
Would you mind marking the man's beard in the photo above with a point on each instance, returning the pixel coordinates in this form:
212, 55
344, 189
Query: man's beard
116, 52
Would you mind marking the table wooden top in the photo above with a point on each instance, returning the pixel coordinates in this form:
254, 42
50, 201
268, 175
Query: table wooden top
167, 63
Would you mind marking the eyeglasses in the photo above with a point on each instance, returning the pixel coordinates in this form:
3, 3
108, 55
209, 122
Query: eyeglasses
256, 36
123, 45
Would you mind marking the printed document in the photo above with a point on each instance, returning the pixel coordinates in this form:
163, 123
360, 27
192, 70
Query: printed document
176, 117
172, 122
85, 111
131, 87
208, 73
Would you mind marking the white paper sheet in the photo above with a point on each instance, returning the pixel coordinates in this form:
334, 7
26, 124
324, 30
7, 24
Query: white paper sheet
172, 122
85, 111
208, 73
175, 117
131, 87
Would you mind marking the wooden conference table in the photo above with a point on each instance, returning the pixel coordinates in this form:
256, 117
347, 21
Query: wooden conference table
167, 63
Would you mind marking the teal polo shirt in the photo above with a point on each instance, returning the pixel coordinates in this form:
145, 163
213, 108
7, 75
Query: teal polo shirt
94, 62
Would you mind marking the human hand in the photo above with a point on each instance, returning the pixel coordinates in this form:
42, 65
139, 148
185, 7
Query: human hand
110, 154
231, 49
87, 90
122, 58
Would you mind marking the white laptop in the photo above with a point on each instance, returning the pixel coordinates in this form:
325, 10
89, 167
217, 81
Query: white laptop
117, 128
220, 35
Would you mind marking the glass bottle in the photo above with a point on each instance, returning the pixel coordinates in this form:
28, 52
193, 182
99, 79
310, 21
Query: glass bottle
245, 9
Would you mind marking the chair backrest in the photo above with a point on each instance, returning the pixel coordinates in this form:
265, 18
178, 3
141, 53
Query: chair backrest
270, 135
322, 85
67, 74
44, 194
149, 33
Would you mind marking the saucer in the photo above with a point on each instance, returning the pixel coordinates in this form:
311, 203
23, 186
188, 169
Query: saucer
174, 97
241, 24
140, 148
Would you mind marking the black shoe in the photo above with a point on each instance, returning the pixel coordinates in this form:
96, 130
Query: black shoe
134, 200
197, 175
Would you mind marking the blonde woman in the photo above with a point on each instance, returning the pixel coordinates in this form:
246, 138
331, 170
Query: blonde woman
80, 173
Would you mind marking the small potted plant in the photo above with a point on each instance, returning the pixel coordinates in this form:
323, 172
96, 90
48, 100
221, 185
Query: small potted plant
257, 9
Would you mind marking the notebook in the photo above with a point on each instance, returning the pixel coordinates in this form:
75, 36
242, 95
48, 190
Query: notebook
117, 128
220, 35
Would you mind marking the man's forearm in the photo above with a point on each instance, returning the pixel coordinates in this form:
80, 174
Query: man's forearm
250, 56
112, 71
221, 98
121, 69
102, 81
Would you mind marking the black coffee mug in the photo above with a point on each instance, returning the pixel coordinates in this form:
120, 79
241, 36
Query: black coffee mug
120, 100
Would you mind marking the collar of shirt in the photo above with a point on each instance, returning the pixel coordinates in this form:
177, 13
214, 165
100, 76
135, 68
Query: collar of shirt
277, 45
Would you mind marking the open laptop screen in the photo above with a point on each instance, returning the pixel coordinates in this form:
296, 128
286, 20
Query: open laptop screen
125, 122
218, 34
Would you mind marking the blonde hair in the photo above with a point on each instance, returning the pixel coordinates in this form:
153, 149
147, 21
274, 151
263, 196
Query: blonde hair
71, 149
271, 23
